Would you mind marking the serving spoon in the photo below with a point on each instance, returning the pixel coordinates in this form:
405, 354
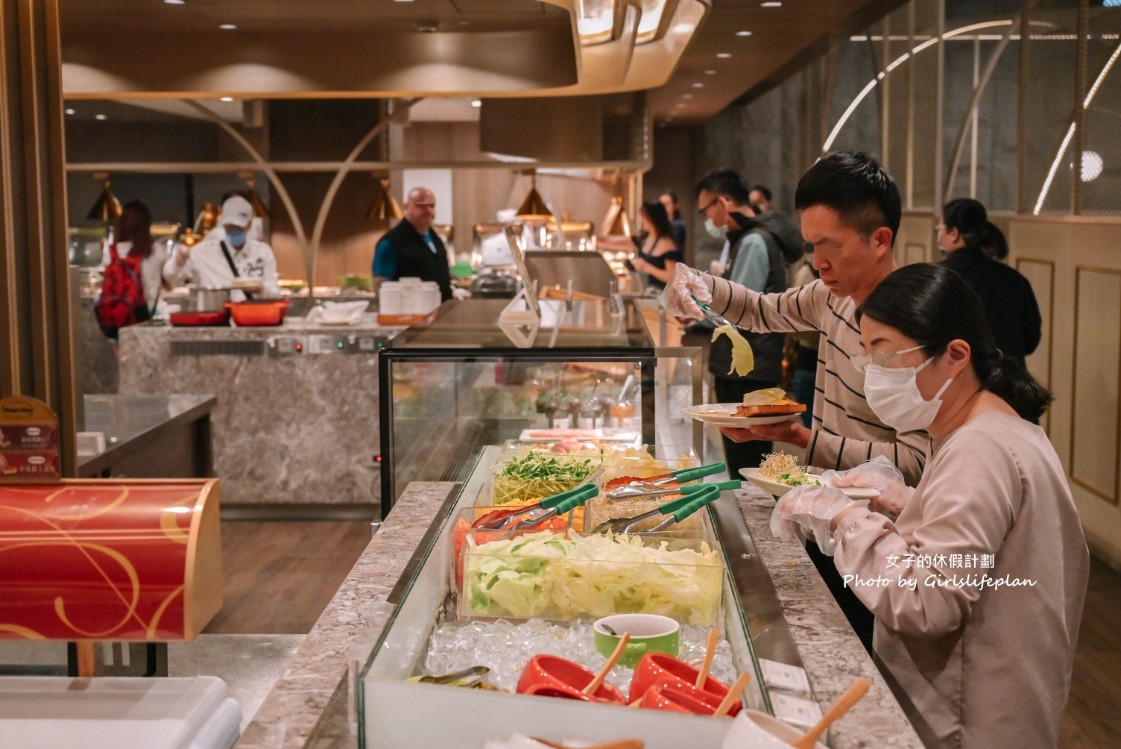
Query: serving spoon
847, 699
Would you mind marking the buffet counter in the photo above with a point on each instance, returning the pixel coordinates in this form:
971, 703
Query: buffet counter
147, 436
293, 401
311, 705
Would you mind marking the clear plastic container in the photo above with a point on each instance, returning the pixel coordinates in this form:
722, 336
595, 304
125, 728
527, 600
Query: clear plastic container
550, 575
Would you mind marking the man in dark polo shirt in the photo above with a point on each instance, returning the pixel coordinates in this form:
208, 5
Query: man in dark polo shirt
411, 249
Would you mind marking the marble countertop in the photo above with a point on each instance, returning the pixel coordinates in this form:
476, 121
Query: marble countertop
309, 706
830, 651
369, 322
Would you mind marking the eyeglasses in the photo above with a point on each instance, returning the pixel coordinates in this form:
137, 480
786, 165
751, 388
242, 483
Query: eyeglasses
939, 227
702, 211
887, 359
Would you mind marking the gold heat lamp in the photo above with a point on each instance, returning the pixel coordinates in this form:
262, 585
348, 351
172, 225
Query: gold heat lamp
385, 207
207, 218
616, 220
260, 210
107, 209
534, 207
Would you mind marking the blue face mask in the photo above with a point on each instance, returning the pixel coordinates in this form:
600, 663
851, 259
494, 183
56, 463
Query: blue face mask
236, 236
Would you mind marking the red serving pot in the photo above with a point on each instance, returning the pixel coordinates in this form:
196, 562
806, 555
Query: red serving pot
258, 311
558, 677
660, 669
191, 319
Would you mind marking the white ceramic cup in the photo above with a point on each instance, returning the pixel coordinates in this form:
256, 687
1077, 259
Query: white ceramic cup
752, 729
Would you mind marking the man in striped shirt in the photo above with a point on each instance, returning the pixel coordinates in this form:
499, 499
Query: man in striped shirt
850, 208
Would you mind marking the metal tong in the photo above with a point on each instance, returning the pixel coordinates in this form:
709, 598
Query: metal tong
694, 497
498, 524
657, 487
569, 501
714, 318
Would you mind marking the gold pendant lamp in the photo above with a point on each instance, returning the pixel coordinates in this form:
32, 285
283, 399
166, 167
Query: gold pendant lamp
260, 210
385, 207
617, 222
534, 207
107, 208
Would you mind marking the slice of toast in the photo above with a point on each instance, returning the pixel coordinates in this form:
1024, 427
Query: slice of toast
779, 407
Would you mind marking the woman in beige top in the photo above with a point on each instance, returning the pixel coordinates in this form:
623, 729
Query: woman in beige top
977, 584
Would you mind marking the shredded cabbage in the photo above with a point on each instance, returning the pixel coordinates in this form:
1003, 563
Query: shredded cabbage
546, 575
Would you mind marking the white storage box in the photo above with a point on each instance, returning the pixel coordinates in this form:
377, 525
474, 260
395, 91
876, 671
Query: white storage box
59, 712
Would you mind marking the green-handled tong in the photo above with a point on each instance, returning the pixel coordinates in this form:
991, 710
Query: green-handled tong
572, 499
658, 487
714, 318
694, 497
545, 504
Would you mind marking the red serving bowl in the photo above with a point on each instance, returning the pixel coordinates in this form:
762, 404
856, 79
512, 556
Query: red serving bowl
667, 697
559, 677
189, 319
659, 669
258, 311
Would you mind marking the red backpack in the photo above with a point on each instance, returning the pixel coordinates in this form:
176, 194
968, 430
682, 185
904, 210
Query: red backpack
121, 302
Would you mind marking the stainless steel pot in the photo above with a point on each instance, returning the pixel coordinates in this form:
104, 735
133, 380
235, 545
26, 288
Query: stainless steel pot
209, 299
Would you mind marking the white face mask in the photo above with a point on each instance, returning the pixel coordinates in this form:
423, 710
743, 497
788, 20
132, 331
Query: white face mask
893, 394
714, 231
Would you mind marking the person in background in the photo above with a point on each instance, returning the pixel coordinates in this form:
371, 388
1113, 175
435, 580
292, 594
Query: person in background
851, 209
975, 664
132, 236
411, 249
755, 262
760, 195
657, 253
1007, 296
668, 198
219, 260
803, 347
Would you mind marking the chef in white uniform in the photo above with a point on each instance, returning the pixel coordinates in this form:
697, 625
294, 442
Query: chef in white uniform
228, 255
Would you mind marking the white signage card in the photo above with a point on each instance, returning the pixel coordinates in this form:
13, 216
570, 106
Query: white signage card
782, 676
795, 710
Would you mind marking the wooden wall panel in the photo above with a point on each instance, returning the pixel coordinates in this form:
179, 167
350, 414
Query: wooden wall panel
913, 253
1096, 396
1075, 269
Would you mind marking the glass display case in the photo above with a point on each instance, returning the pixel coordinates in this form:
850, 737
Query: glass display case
583, 370
429, 631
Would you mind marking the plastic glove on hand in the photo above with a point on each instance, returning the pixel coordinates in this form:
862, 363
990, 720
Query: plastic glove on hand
182, 252
678, 296
458, 293
880, 474
813, 508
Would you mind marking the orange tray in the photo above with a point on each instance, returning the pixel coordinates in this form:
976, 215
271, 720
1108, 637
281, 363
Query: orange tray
400, 319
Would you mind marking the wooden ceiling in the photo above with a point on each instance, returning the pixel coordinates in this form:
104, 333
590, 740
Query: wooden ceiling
721, 65
744, 49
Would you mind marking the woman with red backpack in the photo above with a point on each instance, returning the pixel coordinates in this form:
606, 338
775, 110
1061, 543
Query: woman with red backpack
132, 281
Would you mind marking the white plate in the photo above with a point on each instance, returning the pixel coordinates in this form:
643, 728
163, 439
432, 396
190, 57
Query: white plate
777, 489
598, 435
724, 415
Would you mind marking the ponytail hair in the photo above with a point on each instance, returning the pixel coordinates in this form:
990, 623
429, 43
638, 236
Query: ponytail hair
993, 242
932, 305
969, 217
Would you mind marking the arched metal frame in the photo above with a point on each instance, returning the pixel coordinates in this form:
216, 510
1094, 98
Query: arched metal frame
310, 250
1075, 116
978, 91
899, 61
